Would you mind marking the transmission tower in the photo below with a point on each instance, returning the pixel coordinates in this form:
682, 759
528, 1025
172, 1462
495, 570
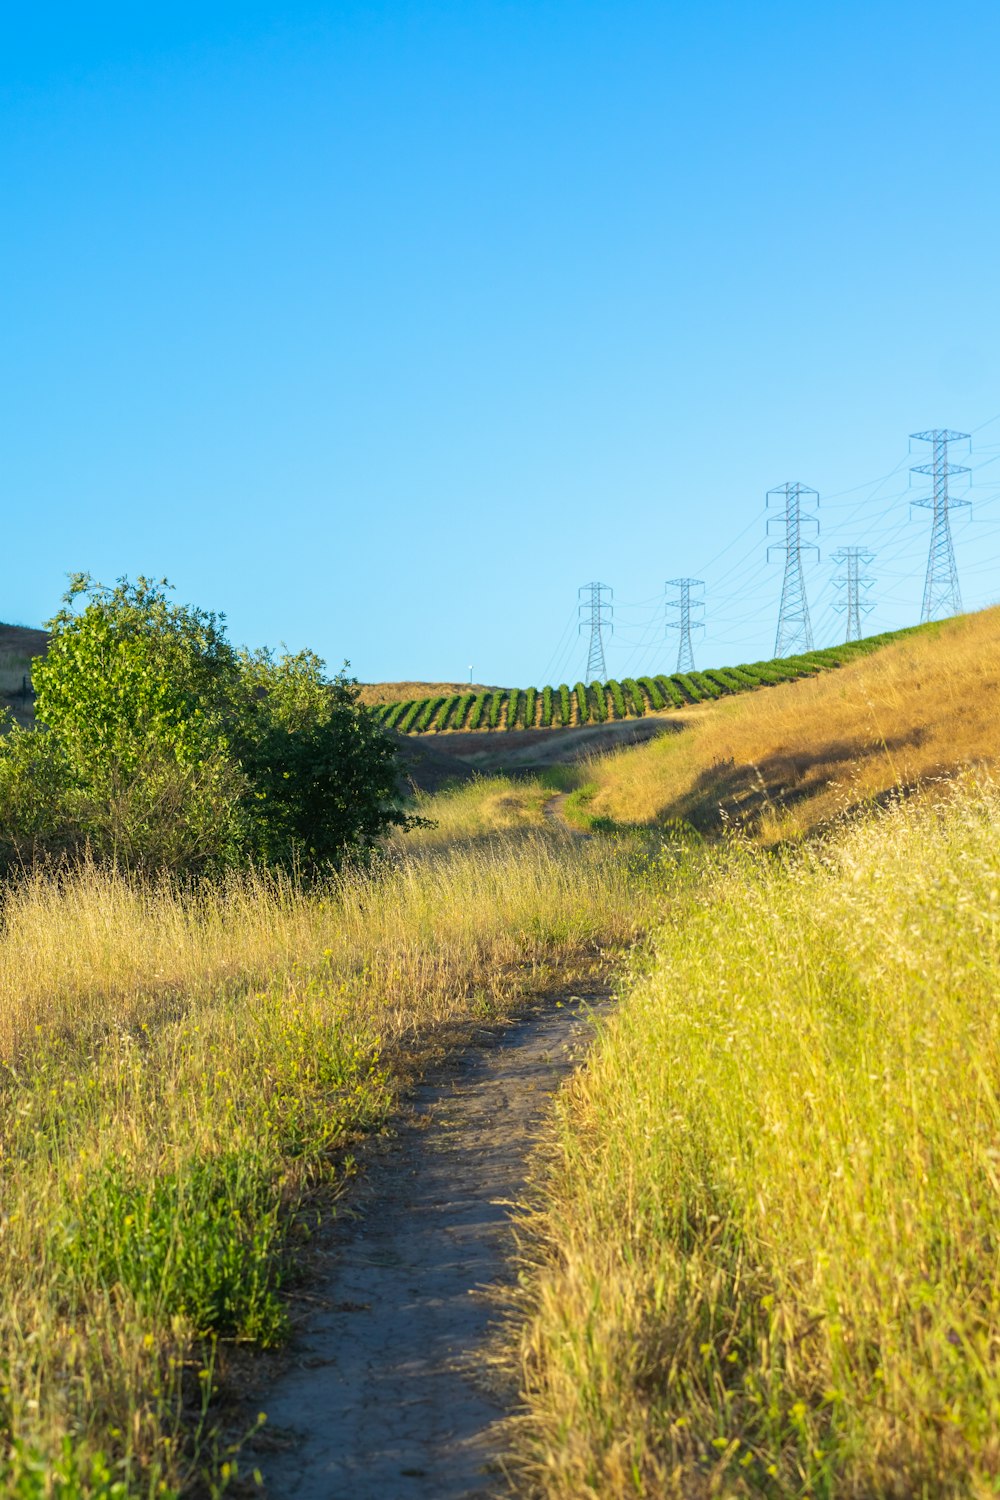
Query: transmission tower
794, 629
684, 623
854, 580
942, 596
599, 612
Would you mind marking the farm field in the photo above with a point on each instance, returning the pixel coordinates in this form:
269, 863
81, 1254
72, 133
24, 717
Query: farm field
765, 1289
459, 708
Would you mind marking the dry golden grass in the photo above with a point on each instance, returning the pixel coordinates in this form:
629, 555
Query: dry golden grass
791, 757
178, 1070
481, 808
401, 692
766, 1255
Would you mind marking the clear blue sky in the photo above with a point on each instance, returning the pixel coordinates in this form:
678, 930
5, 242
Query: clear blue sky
381, 327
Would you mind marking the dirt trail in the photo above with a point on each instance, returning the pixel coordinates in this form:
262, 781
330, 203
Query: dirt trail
387, 1399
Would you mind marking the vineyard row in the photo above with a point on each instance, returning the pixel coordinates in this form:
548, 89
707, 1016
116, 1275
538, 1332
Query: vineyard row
601, 702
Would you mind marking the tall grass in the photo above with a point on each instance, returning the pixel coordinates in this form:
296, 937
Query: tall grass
180, 1071
786, 760
766, 1254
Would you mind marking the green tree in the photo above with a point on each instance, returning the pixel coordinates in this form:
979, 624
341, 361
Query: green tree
163, 746
324, 777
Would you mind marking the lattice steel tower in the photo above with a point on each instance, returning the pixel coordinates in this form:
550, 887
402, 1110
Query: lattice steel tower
794, 627
856, 582
599, 611
942, 596
684, 623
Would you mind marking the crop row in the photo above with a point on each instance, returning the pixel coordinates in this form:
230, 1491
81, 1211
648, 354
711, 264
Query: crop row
602, 702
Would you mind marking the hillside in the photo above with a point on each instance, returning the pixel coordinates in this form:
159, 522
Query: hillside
386, 693
18, 644
462, 708
215, 1056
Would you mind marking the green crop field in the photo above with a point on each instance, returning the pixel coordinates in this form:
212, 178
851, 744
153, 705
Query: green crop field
604, 702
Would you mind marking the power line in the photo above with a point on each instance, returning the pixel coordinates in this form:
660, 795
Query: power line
942, 596
856, 583
794, 629
598, 621
684, 623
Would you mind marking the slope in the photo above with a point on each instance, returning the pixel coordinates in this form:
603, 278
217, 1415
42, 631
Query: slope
784, 761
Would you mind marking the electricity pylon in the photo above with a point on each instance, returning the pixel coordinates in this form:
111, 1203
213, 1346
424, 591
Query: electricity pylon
600, 612
684, 624
794, 628
942, 596
854, 580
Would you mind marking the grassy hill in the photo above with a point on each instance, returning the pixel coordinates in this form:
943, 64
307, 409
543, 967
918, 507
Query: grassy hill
385, 694
453, 707
761, 1253
18, 645
911, 709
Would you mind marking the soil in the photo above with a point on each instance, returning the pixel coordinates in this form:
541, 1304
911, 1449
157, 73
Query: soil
528, 749
389, 1396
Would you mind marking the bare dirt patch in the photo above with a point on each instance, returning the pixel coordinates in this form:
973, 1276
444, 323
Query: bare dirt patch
388, 1397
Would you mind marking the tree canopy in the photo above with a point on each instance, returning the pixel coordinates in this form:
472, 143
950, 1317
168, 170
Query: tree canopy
162, 745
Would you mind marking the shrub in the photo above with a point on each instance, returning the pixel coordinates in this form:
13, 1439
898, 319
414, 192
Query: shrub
448, 707
582, 703
464, 704
671, 692
634, 697
598, 702
565, 705
393, 714
617, 699
162, 746
408, 719
530, 699
655, 696
546, 707
428, 709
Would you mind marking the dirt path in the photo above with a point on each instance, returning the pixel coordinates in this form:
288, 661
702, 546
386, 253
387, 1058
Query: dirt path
387, 1399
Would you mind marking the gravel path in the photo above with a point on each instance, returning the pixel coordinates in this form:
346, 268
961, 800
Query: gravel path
385, 1400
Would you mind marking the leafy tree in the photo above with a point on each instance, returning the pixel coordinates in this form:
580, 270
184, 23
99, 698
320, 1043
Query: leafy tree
323, 776
163, 746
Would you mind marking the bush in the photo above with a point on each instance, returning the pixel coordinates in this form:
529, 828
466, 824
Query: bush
464, 704
637, 706
655, 696
407, 719
598, 702
673, 697
428, 709
394, 712
161, 746
617, 699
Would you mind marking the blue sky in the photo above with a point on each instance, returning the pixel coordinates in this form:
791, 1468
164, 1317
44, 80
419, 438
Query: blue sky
382, 327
